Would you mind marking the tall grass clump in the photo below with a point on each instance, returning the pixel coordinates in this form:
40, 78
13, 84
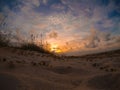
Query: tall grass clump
32, 46
4, 41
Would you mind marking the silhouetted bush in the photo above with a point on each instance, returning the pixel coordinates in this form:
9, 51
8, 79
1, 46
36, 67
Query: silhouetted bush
95, 64
4, 59
101, 68
4, 41
113, 70
34, 47
34, 63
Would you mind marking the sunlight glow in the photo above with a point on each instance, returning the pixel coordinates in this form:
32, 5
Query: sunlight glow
55, 48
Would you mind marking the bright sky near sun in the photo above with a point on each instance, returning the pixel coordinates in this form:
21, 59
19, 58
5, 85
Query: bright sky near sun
71, 25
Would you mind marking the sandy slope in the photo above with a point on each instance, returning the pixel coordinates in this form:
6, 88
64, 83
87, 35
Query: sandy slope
25, 70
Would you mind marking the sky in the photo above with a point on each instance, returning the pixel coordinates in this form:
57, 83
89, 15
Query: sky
75, 26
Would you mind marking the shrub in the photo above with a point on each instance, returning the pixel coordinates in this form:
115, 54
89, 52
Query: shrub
4, 41
113, 70
101, 68
34, 63
33, 47
4, 59
95, 64
44, 63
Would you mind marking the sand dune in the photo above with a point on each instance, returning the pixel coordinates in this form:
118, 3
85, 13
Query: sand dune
29, 70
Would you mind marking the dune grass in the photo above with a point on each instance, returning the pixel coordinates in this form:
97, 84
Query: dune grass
4, 41
31, 46
34, 47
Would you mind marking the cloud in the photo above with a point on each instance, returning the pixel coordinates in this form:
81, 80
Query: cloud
45, 1
58, 7
71, 25
96, 41
52, 34
30, 3
99, 39
2, 18
33, 3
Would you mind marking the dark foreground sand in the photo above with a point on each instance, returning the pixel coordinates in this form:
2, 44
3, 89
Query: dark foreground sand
105, 82
8, 82
25, 70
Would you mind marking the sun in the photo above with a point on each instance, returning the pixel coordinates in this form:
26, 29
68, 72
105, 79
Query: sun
55, 48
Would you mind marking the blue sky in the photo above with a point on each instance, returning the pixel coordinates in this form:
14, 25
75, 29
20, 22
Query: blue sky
72, 21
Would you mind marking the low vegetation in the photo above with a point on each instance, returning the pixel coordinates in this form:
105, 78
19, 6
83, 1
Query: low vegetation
106, 68
33, 47
4, 41
33, 63
44, 63
4, 59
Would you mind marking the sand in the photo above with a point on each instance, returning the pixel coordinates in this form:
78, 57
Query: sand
29, 70
8, 82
